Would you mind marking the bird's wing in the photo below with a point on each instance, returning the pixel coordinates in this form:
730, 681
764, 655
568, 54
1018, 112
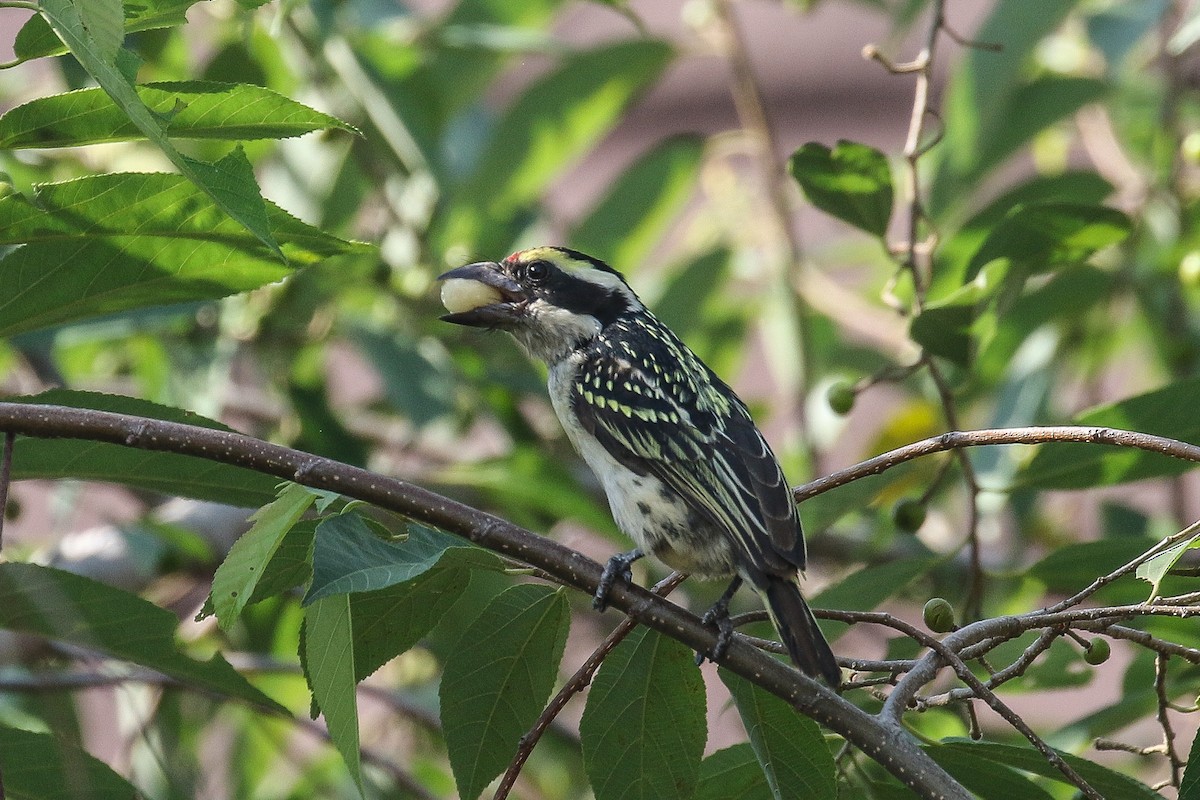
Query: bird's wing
686, 428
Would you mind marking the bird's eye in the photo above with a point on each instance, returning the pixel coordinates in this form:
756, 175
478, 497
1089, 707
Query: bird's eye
537, 271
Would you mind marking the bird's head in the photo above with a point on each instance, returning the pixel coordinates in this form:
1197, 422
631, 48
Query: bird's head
550, 299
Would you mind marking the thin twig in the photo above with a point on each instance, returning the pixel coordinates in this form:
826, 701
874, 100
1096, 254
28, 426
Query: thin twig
1125, 569
954, 440
5, 479
576, 684
974, 601
1164, 718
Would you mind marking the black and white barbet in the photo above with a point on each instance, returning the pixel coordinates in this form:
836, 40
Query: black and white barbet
689, 477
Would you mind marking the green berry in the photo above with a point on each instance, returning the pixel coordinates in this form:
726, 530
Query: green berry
909, 515
840, 397
939, 615
1097, 652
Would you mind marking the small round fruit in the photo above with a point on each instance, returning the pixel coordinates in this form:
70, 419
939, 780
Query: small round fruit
939, 615
463, 294
909, 515
840, 397
1097, 652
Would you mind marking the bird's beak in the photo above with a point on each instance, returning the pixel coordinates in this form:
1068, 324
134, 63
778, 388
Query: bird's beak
482, 295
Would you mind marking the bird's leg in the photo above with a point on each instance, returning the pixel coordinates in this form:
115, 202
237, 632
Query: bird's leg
718, 616
617, 568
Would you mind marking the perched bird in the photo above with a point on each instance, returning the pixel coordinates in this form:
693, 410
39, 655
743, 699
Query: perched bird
688, 475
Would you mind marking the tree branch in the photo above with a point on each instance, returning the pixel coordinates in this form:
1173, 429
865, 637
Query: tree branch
887, 744
954, 440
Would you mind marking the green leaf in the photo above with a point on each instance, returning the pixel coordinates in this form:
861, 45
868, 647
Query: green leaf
229, 182
348, 557
83, 612
953, 254
644, 727
1110, 784
1070, 568
853, 182
556, 119
165, 473
105, 24
1189, 787
790, 748
234, 582
1169, 411
37, 39
388, 622
329, 664
39, 766
1155, 569
866, 588
1041, 237
950, 326
733, 772
987, 779
109, 243
498, 679
989, 112
190, 109
638, 207
689, 288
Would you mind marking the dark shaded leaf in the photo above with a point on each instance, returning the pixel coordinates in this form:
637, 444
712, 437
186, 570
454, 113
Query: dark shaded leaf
167, 473
790, 748
1169, 411
643, 729
498, 679
348, 557
1110, 784
38, 766
74, 609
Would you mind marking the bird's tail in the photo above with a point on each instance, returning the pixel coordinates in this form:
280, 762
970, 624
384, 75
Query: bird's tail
798, 628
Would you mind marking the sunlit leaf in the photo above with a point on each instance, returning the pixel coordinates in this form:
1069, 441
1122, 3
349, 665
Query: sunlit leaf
329, 664
640, 205
853, 182
189, 109
553, 122
236, 578
36, 39
109, 243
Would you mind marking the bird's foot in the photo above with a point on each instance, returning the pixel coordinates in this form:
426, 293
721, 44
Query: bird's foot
618, 568
718, 617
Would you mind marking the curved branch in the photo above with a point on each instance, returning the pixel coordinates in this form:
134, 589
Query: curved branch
954, 440
886, 743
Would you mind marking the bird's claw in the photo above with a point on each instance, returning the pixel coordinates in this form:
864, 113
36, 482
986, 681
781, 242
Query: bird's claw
618, 568
718, 617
